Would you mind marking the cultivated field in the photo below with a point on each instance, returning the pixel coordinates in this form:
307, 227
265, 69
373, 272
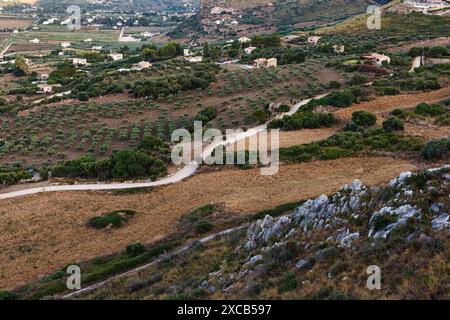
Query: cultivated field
14, 23
69, 129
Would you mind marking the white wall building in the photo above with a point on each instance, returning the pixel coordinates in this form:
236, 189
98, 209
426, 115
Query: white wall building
79, 61
115, 56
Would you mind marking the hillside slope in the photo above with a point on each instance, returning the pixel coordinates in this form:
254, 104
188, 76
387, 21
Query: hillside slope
322, 250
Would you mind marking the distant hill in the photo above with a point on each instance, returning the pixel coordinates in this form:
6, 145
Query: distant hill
299, 9
290, 12
237, 4
394, 24
11, 2
130, 5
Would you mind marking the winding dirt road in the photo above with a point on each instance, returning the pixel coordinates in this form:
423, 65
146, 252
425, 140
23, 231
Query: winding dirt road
187, 171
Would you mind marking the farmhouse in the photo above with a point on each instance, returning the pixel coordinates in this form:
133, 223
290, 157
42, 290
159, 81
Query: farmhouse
141, 65
43, 77
377, 58
97, 48
44, 89
116, 56
290, 37
244, 40
188, 52
339, 49
314, 40
195, 59
79, 61
35, 40
65, 44
266, 63
249, 50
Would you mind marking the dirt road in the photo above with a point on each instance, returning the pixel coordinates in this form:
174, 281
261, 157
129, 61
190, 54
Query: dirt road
42, 233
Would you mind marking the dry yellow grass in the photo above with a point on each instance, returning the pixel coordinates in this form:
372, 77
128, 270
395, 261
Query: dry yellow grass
377, 106
42, 233
388, 103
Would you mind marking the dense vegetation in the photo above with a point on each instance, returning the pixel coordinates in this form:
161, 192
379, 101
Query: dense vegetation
344, 144
303, 120
147, 160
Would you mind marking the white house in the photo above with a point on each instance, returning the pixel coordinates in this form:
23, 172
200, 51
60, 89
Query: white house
44, 88
115, 56
249, 50
378, 58
339, 49
43, 77
195, 59
314, 40
244, 40
79, 62
187, 52
97, 48
35, 40
65, 44
141, 65
87, 40
266, 63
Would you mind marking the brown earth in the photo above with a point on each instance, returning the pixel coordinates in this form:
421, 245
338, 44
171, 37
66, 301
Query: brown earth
427, 132
14, 23
42, 233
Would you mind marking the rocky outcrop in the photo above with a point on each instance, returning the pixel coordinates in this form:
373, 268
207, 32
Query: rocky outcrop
347, 220
384, 213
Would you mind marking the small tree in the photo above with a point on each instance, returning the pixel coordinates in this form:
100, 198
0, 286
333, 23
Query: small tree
364, 118
393, 124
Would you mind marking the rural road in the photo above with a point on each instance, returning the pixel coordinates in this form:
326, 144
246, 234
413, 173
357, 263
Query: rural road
186, 172
6, 49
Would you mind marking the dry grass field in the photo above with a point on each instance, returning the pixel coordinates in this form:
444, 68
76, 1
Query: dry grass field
43, 233
388, 103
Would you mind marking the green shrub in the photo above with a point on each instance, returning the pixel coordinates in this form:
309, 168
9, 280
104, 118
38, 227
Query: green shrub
288, 282
425, 109
334, 153
398, 113
435, 150
351, 126
116, 219
207, 114
201, 213
303, 120
261, 115
7, 295
203, 226
334, 85
390, 91
364, 118
393, 124
283, 108
135, 249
